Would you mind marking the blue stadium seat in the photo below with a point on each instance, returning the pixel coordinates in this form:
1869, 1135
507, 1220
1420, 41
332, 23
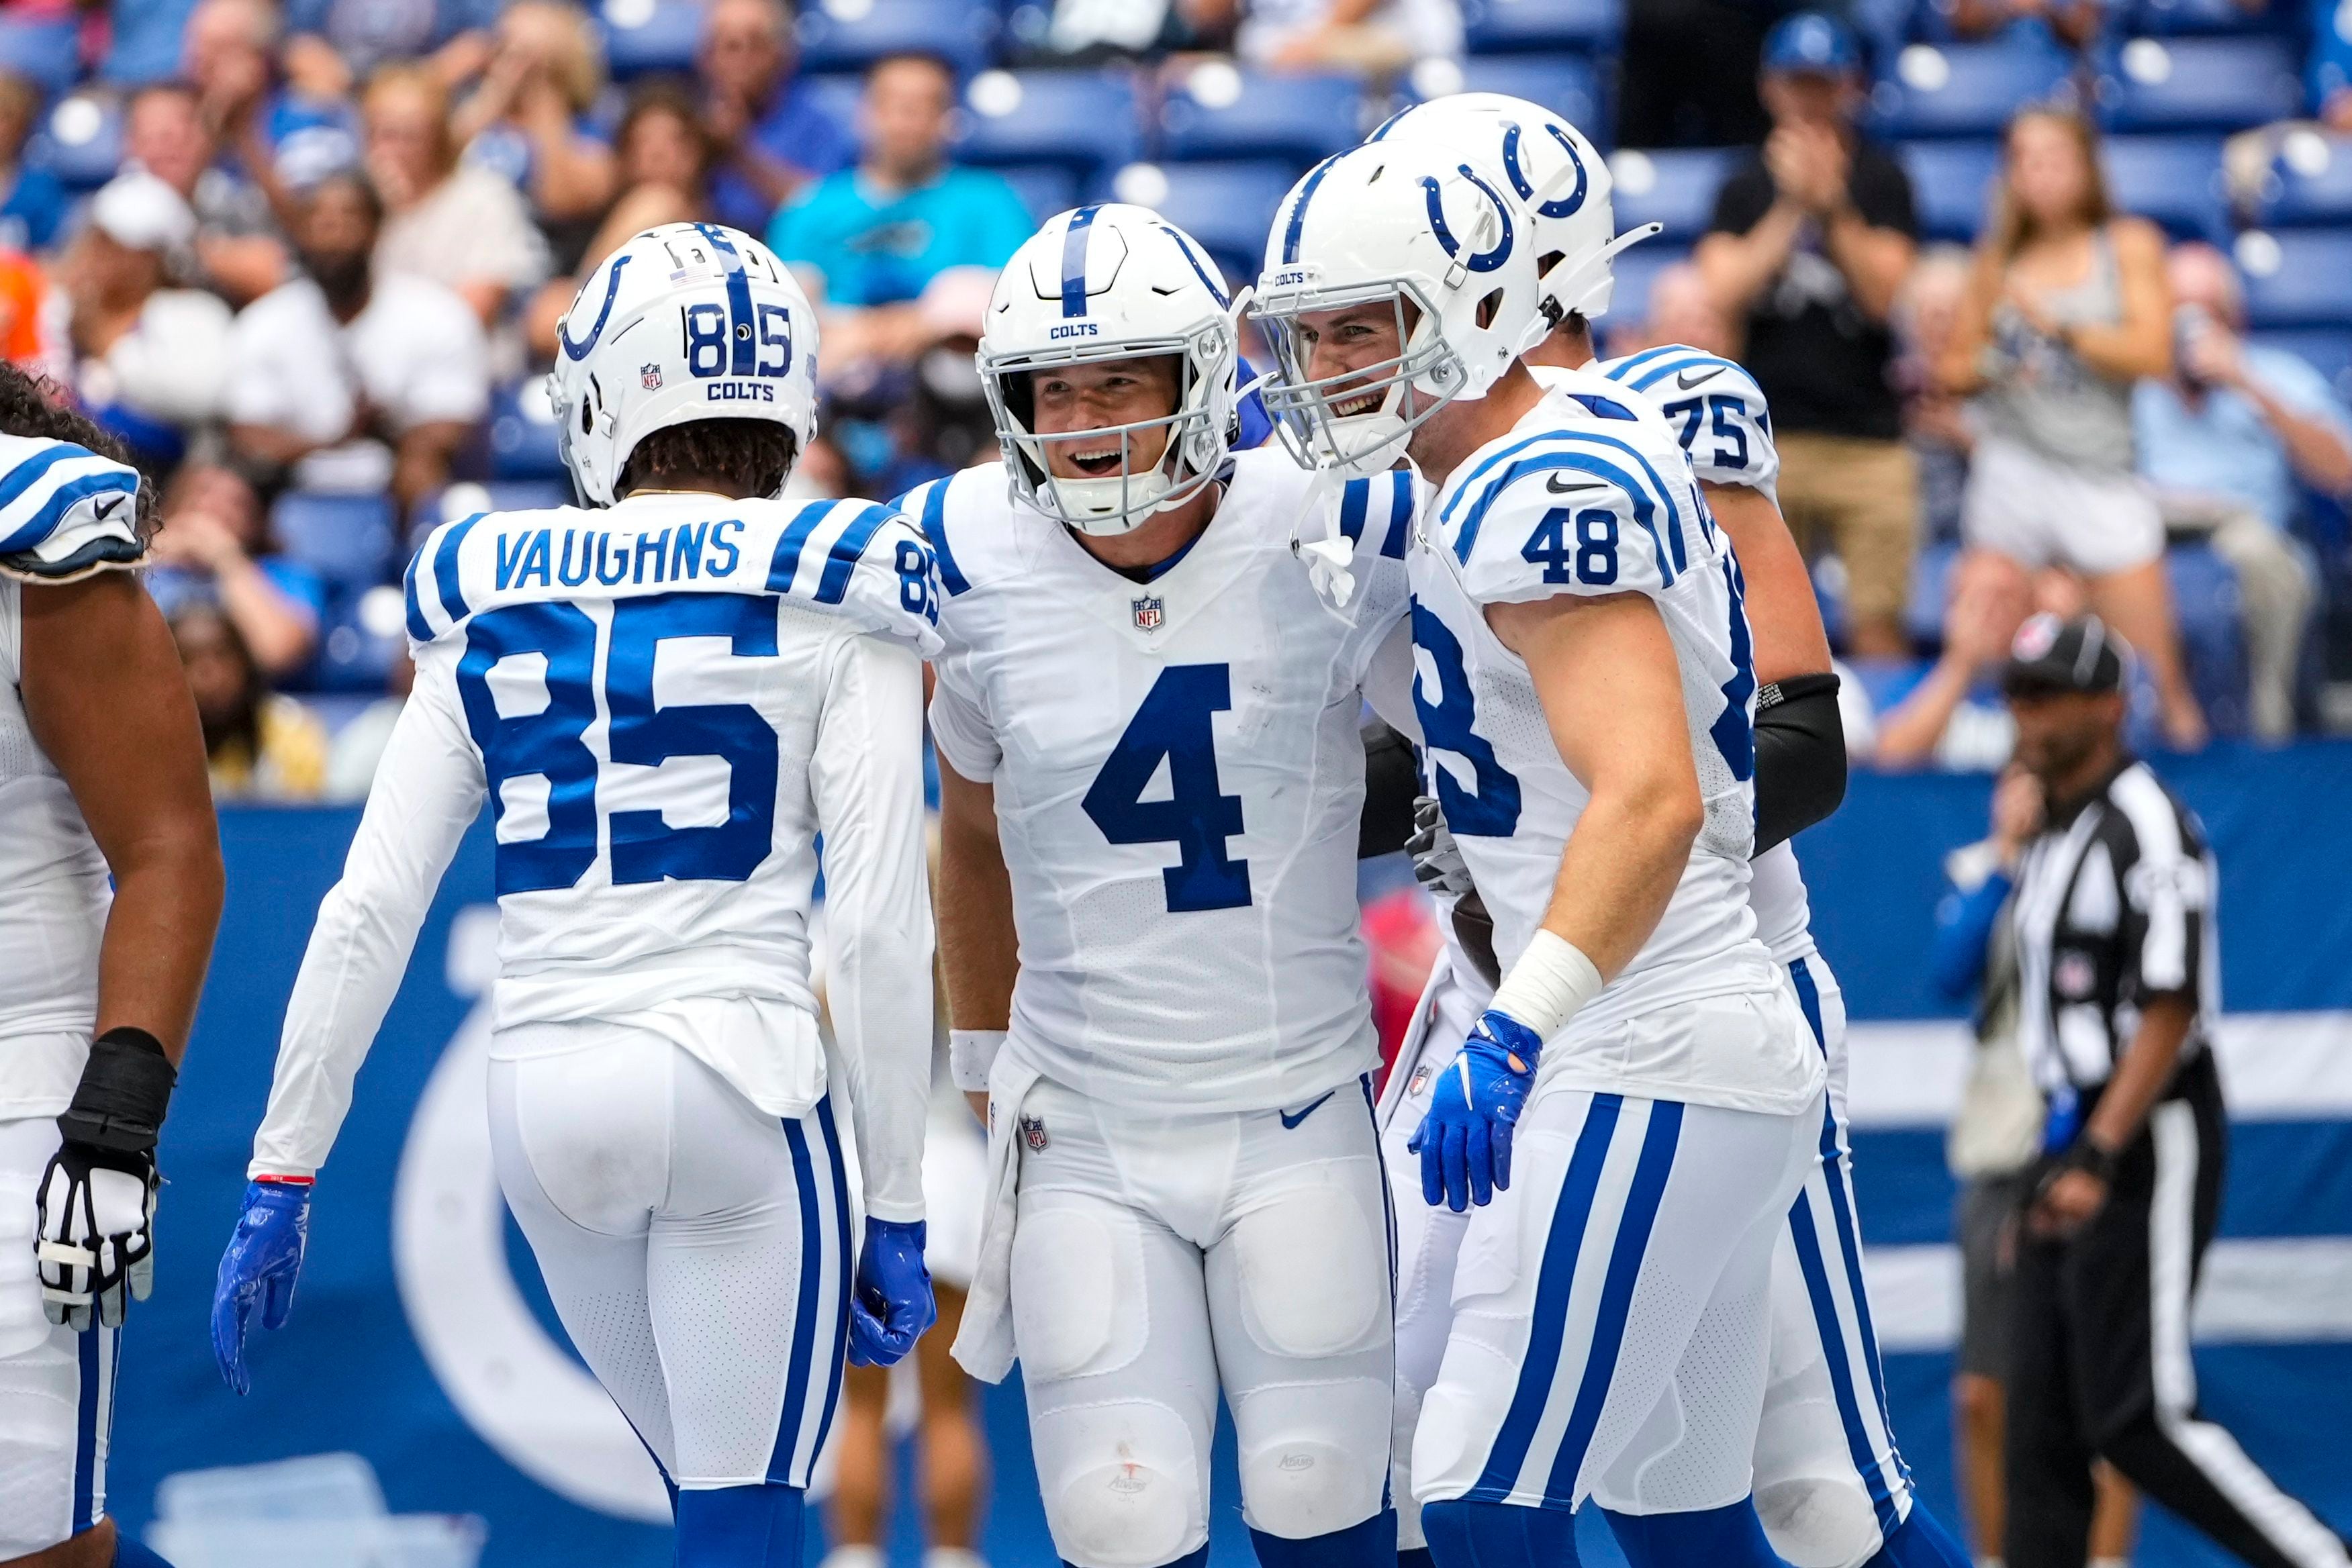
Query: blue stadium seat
347, 539
1043, 188
1081, 121
2310, 183
1228, 208
468, 496
2297, 278
360, 640
2206, 605
2174, 181
1965, 89
2327, 350
1676, 188
1931, 593
1538, 27
850, 35
1636, 267
835, 95
47, 52
80, 142
1951, 185
522, 435
2199, 84
1217, 111
1568, 85
2173, 19
645, 36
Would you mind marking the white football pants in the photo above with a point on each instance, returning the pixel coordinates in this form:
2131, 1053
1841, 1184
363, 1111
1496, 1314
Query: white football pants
1157, 1257
697, 1251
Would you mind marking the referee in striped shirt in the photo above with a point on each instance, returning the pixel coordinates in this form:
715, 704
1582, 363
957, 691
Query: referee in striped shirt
2119, 980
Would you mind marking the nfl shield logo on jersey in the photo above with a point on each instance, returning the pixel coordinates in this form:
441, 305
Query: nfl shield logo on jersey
649, 377
1149, 613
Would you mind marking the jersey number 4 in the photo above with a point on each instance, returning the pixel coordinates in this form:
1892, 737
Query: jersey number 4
1175, 723
545, 752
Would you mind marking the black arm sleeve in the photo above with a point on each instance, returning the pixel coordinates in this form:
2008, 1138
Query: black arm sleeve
1799, 758
1391, 780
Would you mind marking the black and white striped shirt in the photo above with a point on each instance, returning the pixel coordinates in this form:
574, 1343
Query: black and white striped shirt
2114, 905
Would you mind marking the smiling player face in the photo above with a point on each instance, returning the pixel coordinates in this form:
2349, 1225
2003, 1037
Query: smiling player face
1332, 343
1079, 407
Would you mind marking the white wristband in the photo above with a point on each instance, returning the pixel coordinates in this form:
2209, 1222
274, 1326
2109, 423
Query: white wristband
1551, 981
971, 1053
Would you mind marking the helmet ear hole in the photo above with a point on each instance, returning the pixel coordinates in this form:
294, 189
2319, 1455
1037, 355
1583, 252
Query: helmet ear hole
1489, 308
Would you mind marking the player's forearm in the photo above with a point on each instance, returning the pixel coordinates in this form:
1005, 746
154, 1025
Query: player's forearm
1784, 619
2140, 1077
980, 951
159, 935
1621, 868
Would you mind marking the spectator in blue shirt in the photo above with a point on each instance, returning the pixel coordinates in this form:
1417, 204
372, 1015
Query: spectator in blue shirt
36, 203
2229, 442
213, 547
771, 135
872, 240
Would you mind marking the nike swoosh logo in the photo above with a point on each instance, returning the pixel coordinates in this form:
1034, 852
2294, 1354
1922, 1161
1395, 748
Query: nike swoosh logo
108, 506
1289, 1121
1687, 379
1554, 485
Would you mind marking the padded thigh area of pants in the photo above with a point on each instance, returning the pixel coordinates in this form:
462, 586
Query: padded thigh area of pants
1081, 1305
1312, 1265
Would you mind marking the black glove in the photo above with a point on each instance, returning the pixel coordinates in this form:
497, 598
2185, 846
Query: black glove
96, 1199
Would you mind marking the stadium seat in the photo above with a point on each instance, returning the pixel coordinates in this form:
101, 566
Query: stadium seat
2309, 183
1218, 111
80, 142
1951, 185
2173, 19
360, 640
2206, 605
347, 539
850, 35
1538, 26
1081, 121
1228, 208
1043, 188
1965, 89
49, 53
1931, 593
1568, 85
2199, 84
645, 36
522, 435
2173, 181
468, 496
2296, 277
2327, 350
1674, 188
1636, 267
835, 95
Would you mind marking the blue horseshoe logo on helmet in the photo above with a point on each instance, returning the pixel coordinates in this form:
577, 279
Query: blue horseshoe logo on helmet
1480, 261
1567, 205
612, 287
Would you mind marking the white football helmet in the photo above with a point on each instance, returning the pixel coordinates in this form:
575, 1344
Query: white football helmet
1403, 222
686, 322
1555, 170
1102, 283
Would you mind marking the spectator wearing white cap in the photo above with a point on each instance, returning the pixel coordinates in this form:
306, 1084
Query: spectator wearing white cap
149, 361
352, 378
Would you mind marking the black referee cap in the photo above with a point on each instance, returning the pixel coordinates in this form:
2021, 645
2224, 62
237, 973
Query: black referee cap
2052, 654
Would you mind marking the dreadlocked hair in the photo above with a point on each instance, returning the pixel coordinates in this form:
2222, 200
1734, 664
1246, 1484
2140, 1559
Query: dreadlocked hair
37, 407
751, 456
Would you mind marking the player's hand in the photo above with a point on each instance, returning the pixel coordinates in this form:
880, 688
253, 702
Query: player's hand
263, 1262
892, 1304
1437, 862
1465, 1142
96, 1241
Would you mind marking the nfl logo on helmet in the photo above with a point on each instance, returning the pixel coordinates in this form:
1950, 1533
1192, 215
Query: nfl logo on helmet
649, 377
1149, 613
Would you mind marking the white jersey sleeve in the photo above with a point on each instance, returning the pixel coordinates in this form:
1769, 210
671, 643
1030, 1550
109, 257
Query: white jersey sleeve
428, 791
1575, 510
867, 776
65, 511
1718, 411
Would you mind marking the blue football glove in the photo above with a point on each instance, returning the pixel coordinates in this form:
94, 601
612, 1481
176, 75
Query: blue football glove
1465, 1142
892, 1304
263, 1260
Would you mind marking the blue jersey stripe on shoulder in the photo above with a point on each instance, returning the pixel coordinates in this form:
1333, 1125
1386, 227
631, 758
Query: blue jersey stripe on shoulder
23, 477
445, 567
1355, 499
1657, 481
1602, 408
1644, 508
786, 562
1399, 514
62, 500
841, 559
1619, 371
419, 629
935, 529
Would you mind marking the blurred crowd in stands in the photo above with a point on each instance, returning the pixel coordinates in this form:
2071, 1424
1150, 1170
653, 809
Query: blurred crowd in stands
2048, 295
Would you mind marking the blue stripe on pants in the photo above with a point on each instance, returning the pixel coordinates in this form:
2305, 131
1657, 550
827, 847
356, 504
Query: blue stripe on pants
1832, 1332
88, 1422
784, 1464
840, 1345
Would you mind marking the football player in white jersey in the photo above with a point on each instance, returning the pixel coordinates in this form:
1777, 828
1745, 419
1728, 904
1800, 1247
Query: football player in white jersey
665, 694
1831, 1488
1150, 779
101, 780
1635, 1108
